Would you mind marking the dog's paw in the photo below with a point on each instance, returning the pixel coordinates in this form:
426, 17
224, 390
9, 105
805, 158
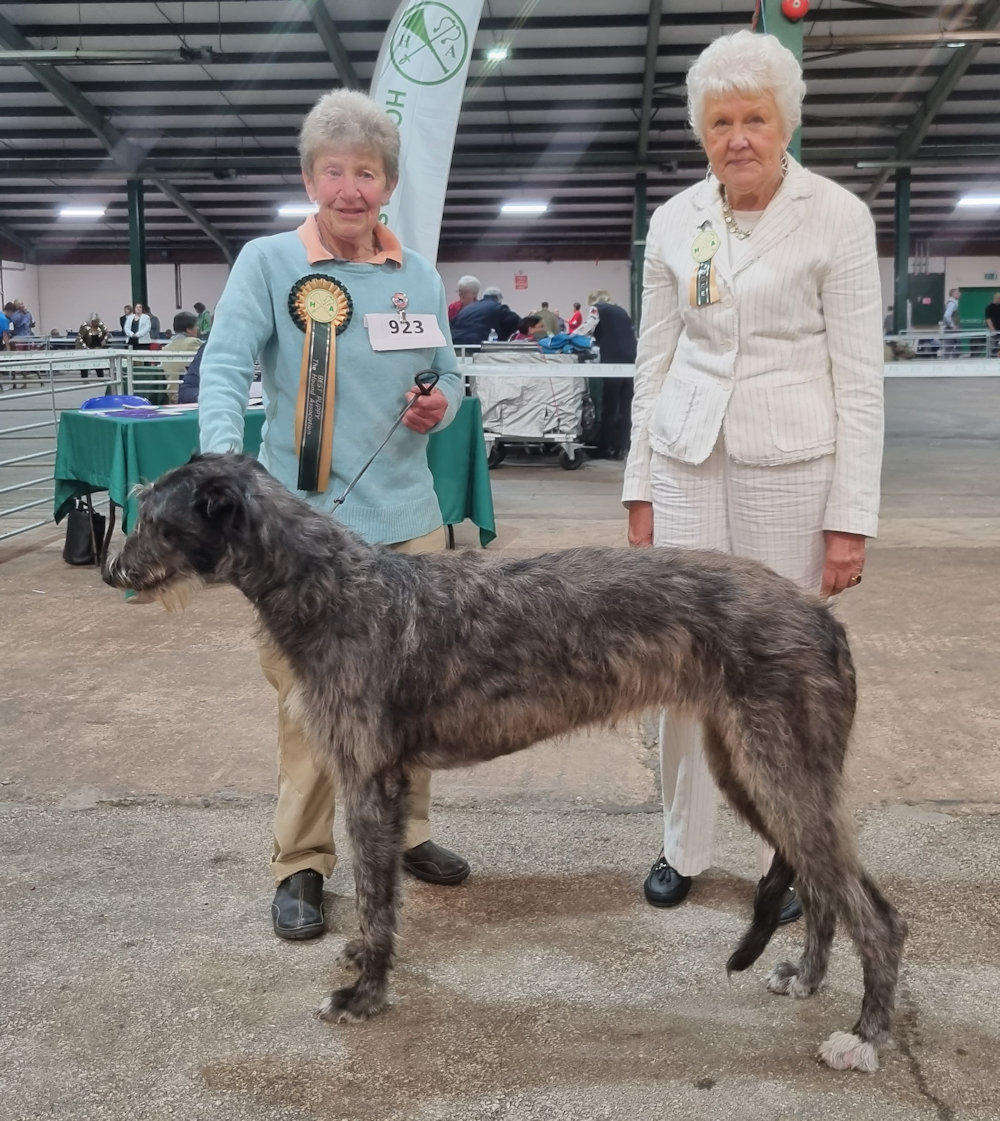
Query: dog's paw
352, 1005
846, 1051
352, 955
782, 977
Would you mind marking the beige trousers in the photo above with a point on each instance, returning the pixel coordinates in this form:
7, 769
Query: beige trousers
303, 822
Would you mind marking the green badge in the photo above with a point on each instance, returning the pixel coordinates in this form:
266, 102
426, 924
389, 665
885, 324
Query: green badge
705, 245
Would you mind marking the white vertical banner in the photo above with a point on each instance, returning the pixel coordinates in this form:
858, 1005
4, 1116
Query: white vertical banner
419, 81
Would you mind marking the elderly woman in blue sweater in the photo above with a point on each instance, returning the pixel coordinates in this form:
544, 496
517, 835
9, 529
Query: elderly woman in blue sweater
316, 307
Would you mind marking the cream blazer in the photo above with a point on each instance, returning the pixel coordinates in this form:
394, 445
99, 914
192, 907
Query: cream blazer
787, 364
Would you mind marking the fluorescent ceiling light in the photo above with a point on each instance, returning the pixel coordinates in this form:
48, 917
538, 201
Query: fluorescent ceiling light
498, 53
979, 200
297, 209
82, 212
524, 208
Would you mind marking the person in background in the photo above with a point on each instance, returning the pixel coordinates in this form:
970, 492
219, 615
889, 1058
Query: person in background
612, 330
758, 413
136, 327
22, 323
4, 328
126, 312
950, 322
531, 329
575, 320
92, 335
184, 341
468, 293
154, 324
344, 260
475, 321
548, 318
204, 320
992, 318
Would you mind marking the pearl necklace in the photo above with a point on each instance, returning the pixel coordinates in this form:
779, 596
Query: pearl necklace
730, 219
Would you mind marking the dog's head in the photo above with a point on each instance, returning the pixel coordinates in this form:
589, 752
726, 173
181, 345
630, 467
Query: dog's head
189, 521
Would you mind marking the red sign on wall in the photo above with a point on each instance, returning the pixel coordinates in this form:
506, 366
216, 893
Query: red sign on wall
520, 282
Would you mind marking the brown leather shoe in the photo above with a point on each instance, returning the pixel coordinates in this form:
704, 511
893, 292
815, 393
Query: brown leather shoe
435, 865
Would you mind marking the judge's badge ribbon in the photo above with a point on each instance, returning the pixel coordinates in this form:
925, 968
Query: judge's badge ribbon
704, 289
321, 306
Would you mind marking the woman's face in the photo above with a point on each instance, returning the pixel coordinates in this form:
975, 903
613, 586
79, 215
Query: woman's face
744, 138
138, 309
351, 188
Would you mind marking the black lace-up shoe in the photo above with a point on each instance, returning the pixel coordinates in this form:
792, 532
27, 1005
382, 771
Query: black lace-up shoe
297, 909
665, 886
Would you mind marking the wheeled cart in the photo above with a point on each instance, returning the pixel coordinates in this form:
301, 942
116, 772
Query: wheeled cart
539, 411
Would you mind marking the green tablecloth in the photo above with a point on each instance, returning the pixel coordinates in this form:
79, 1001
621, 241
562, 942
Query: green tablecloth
97, 452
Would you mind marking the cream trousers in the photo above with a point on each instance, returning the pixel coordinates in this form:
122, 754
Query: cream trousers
303, 821
770, 514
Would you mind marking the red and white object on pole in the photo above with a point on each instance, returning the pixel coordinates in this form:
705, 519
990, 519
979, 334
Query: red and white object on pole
794, 9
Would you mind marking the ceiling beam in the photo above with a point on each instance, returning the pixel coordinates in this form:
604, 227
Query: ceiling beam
649, 78
126, 155
330, 37
910, 142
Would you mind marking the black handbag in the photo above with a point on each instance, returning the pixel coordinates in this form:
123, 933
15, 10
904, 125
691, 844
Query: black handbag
84, 533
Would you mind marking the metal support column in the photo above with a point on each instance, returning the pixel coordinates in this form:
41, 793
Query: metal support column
640, 225
789, 33
137, 241
901, 256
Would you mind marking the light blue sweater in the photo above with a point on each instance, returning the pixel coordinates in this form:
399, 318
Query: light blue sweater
394, 500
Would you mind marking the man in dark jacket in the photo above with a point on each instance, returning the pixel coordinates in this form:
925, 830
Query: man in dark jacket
611, 327
474, 322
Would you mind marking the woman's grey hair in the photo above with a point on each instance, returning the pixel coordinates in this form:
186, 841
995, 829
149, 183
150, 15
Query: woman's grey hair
494, 292
468, 284
349, 119
746, 63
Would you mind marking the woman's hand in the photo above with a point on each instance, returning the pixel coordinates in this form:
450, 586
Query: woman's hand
640, 524
427, 410
845, 559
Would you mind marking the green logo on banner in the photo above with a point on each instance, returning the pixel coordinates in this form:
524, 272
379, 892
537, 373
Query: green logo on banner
430, 44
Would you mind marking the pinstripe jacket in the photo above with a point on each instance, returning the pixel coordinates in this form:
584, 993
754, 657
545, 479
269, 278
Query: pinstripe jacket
787, 363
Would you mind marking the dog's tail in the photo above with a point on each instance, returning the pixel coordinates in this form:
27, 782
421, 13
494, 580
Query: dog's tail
766, 912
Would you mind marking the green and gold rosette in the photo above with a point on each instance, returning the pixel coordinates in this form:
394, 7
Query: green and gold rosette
321, 306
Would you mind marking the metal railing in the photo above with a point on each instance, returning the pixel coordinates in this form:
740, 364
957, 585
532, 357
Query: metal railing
36, 387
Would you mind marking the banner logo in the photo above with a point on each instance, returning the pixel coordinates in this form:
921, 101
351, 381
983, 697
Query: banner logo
430, 44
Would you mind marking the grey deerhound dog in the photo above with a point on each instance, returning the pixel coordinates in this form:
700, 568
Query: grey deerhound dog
448, 659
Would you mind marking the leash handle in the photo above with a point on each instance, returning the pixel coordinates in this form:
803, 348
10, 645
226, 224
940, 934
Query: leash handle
425, 382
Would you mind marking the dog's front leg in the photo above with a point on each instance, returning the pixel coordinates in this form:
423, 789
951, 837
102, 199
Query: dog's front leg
376, 808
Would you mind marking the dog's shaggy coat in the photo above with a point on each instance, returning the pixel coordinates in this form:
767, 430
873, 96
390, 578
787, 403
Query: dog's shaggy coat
449, 659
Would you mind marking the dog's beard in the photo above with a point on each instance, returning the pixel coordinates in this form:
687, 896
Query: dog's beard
173, 594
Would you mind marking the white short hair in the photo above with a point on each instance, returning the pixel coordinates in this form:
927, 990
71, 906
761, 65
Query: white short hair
494, 292
349, 119
746, 63
468, 284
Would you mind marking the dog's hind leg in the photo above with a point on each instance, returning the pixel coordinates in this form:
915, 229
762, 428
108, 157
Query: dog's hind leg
803, 978
878, 931
376, 810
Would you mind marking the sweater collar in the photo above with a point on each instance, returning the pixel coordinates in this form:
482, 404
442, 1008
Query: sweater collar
389, 248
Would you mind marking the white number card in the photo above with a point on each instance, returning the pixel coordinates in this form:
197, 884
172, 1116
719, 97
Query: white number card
411, 331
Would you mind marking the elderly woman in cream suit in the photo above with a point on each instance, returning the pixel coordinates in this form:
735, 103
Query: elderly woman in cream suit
757, 418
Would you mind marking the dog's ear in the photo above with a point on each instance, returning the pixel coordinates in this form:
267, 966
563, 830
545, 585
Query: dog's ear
222, 500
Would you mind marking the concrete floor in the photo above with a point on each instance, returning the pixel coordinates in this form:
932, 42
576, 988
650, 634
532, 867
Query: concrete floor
140, 976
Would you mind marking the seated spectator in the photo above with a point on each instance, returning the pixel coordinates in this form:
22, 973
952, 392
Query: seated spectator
468, 293
474, 323
531, 329
187, 392
185, 339
91, 335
